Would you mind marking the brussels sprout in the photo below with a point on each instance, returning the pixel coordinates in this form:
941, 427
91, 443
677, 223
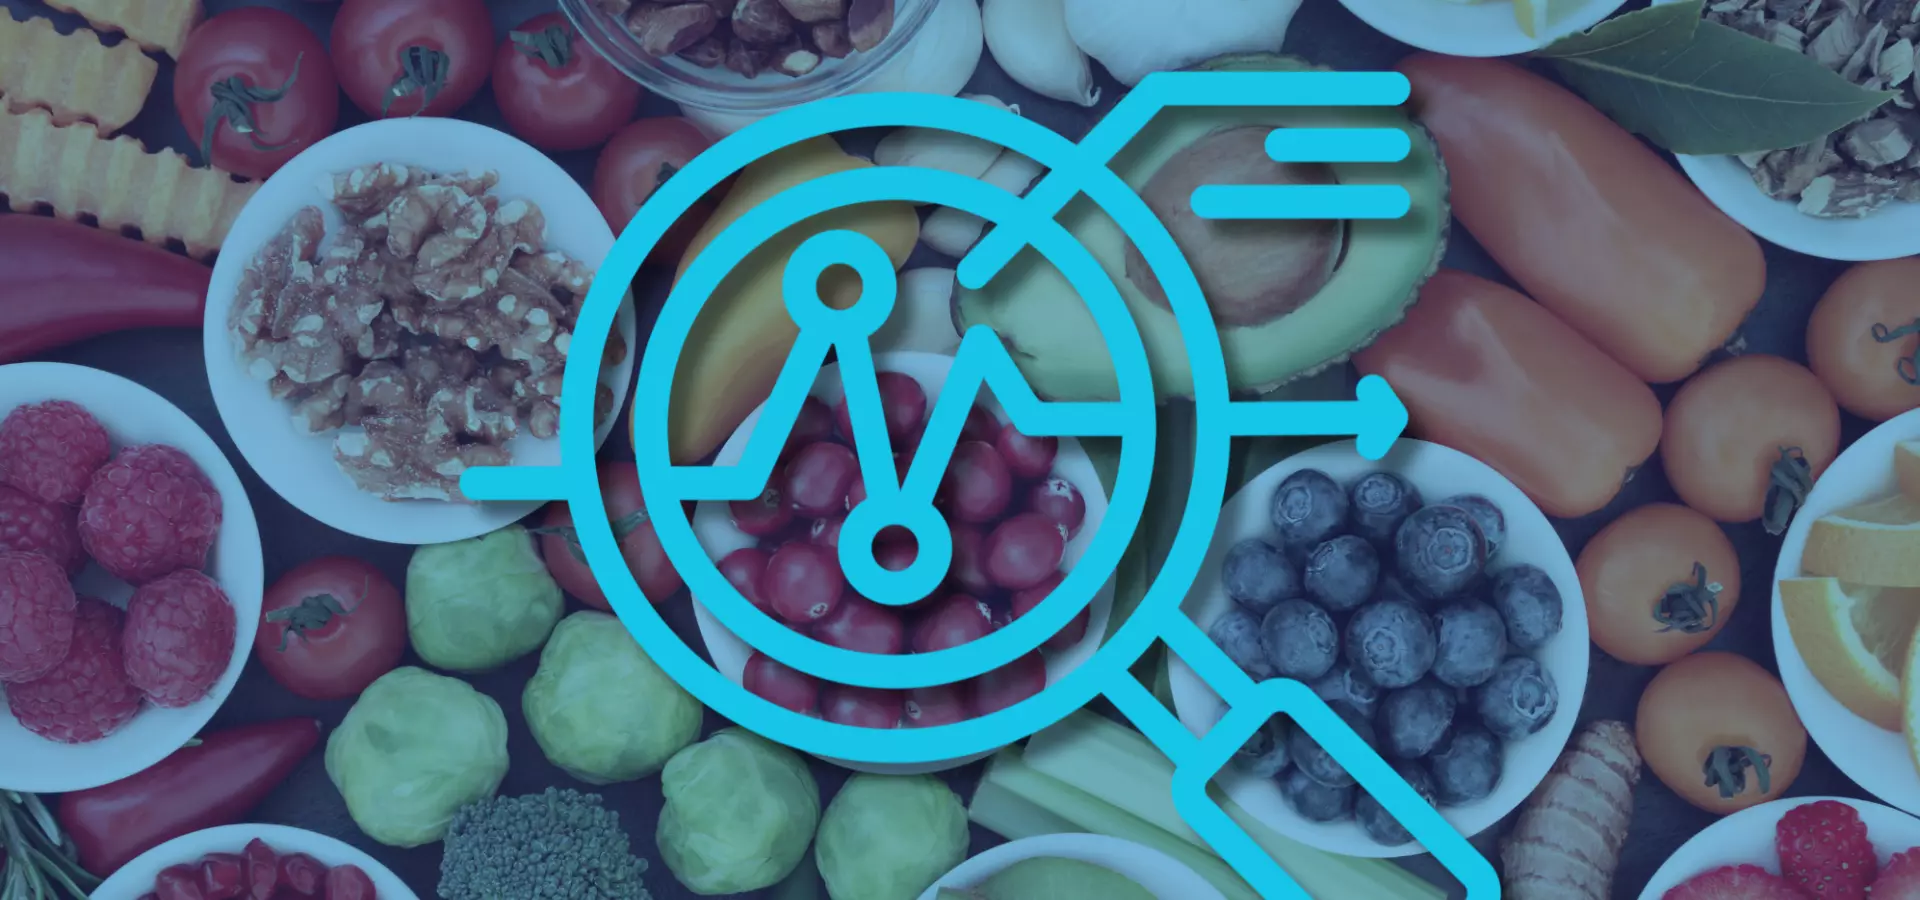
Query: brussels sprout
889, 837
415, 748
739, 812
601, 709
480, 603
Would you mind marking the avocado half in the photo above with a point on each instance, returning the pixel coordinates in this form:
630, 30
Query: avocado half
1381, 265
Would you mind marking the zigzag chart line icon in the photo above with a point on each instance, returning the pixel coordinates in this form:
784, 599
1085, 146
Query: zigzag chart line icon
1375, 417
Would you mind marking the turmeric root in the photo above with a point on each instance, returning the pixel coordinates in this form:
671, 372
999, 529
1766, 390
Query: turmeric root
1567, 841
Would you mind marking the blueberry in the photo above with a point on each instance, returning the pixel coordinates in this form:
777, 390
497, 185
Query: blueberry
1518, 700
1308, 508
1380, 824
1314, 801
1466, 766
1392, 643
1299, 639
1530, 603
1492, 522
1380, 502
1237, 633
1257, 575
1344, 685
1473, 641
1309, 757
1342, 573
1412, 719
1265, 754
1439, 551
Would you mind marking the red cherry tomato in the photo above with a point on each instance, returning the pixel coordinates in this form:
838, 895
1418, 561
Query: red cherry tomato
634, 164
255, 87
559, 542
412, 57
555, 92
330, 627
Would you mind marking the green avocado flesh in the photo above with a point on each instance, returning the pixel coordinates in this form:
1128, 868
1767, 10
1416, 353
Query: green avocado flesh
1382, 265
1052, 878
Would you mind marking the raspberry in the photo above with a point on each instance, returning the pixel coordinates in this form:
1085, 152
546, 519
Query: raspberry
149, 512
179, 638
87, 696
31, 525
36, 615
50, 449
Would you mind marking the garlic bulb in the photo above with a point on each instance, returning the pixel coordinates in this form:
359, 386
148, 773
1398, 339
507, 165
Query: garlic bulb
1029, 39
954, 232
948, 151
941, 56
1134, 37
922, 317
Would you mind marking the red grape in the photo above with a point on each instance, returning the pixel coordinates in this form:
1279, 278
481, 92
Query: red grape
1027, 457
775, 682
1007, 685
951, 621
863, 626
941, 704
803, 582
895, 548
1023, 602
826, 532
1022, 551
762, 516
814, 424
968, 568
981, 425
1057, 499
860, 707
902, 400
977, 485
856, 492
818, 479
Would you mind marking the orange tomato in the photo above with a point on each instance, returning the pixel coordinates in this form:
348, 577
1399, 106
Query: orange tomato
1720, 731
1486, 371
1585, 218
1862, 342
1660, 582
1747, 437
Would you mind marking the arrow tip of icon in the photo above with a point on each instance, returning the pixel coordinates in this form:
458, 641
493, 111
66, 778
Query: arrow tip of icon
1383, 415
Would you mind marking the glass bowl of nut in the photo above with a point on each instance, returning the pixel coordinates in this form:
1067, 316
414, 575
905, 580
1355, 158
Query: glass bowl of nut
730, 62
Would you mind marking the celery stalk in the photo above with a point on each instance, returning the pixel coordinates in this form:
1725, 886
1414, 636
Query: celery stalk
1013, 816
1092, 753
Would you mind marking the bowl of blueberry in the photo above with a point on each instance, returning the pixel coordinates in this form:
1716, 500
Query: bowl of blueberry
1021, 511
1428, 602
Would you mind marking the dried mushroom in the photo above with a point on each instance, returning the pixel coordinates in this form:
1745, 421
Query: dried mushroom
1872, 162
754, 37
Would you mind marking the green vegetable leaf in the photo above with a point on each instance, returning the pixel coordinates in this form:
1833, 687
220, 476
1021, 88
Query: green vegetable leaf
1718, 91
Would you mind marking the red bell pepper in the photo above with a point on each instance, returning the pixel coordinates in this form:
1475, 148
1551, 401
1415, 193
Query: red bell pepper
66, 282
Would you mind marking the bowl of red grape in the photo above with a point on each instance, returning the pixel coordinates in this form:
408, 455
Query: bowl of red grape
1021, 511
1428, 602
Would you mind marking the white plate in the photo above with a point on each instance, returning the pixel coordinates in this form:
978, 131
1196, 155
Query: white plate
134, 415
135, 879
1487, 28
1893, 231
300, 467
1438, 472
713, 524
1876, 759
1162, 875
1747, 838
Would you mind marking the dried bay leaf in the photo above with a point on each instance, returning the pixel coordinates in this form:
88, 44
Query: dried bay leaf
1700, 88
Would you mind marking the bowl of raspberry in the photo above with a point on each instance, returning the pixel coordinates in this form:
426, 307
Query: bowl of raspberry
130, 577
1021, 511
254, 861
1795, 849
1428, 602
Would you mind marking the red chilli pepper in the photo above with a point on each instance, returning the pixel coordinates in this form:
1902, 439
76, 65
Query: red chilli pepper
67, 282
215, 782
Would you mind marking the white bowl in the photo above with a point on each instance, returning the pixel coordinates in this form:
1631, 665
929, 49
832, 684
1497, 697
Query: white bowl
1163, 876
134, 415
713, 524
1747, 838
300, 467
135, 879
1875, 758
1438, 472
1891, 232
1486, 28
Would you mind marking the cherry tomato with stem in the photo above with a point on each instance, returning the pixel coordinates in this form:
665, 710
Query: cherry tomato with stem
1747, 438
639, 544
636, 161
255, 86
329, 627
1864, 338
412, 57
555, 92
